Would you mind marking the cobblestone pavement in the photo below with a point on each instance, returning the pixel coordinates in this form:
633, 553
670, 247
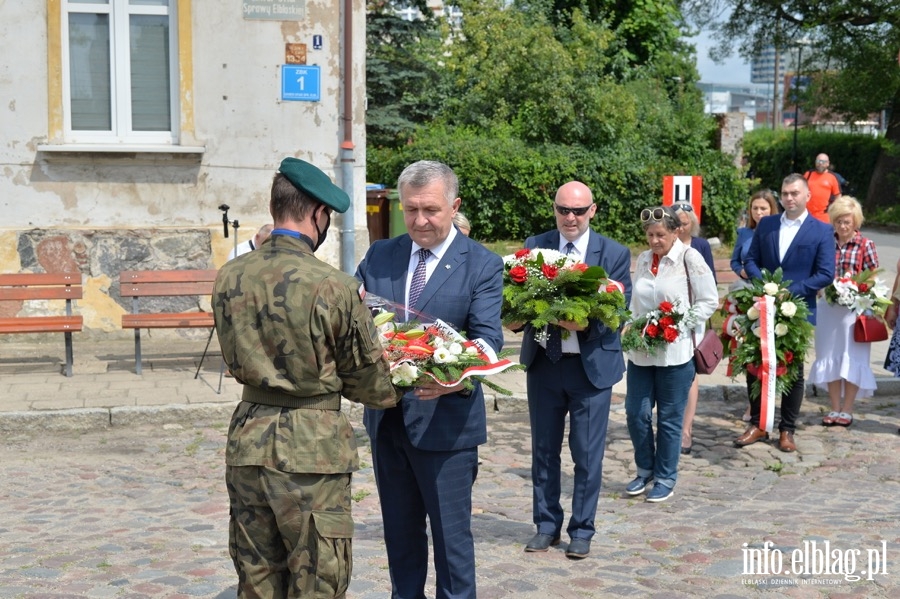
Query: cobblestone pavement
141, 512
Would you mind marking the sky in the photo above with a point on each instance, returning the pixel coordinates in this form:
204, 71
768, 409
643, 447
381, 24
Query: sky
733, 70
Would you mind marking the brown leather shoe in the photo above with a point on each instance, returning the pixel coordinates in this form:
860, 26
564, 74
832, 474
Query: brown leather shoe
786, 442
751, 436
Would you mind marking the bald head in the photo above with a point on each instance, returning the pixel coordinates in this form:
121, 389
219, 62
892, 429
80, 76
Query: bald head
822, 163
574, 207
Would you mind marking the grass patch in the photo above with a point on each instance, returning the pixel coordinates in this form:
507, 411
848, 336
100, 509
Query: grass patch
360, 495
776, 467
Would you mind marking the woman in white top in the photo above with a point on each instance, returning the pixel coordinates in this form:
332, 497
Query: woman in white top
662, 380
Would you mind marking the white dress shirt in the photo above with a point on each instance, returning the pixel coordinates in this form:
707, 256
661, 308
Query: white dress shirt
437, 253
787, 232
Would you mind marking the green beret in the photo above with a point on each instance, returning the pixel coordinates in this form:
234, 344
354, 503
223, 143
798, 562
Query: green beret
313, 182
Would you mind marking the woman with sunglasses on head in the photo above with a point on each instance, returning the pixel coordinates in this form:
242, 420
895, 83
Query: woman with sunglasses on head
762, 204
688, 233
663, 380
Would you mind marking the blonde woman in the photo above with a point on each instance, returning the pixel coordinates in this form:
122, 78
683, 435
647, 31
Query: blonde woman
842, 364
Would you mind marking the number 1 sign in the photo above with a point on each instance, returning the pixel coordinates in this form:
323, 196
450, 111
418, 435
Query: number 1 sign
300, 82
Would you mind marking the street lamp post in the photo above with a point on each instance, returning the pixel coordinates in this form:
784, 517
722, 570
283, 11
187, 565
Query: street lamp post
800, 44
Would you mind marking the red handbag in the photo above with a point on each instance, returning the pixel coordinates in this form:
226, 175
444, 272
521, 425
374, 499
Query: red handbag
869, 329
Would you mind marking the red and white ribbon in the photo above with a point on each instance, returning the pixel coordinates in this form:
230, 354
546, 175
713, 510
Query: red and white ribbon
766, 307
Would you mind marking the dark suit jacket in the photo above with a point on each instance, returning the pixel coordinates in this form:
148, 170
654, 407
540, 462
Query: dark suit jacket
466, 291
601, 349
808, 263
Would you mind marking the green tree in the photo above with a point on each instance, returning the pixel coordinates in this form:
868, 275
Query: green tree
402, 72
859, 43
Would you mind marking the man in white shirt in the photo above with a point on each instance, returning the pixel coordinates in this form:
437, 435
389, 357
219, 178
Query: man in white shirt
803, 248
251, 244
574, 377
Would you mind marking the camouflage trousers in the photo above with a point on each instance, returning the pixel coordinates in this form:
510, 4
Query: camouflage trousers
289, 534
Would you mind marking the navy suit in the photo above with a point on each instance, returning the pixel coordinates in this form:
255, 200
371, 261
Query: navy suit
426, 452
809, 265
580, 386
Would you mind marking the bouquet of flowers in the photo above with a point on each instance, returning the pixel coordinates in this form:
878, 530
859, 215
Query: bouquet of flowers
420, 353
792, 332
860, 293
658, 328
542, 287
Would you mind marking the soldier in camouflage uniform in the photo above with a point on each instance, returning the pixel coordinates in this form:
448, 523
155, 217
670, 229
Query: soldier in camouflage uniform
296, 333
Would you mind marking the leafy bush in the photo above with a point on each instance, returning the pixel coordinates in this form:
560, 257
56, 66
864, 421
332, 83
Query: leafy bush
507, 185
852, 155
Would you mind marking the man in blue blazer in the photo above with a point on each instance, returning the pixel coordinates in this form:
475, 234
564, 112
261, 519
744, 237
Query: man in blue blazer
803, 248
579, 383
426, 449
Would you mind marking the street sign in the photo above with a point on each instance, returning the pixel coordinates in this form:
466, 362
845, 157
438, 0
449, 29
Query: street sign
300, 83
683, 190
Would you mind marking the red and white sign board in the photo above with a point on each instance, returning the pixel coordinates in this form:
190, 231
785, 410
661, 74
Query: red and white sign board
683, 189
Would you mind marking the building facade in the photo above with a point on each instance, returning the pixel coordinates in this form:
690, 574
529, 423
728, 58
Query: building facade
128, 124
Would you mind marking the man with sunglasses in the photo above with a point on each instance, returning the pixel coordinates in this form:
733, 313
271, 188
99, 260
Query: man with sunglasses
572, 376
824, 188
803, 248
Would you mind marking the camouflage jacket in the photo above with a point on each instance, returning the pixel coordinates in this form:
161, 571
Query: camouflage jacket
295, 327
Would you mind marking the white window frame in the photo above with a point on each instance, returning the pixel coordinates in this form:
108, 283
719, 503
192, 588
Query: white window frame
120, 12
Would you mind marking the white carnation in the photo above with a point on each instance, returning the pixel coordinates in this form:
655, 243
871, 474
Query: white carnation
455, 348
472, 350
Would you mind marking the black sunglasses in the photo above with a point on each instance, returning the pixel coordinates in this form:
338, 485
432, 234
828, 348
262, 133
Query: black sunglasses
684, 208
567, 211
656, 214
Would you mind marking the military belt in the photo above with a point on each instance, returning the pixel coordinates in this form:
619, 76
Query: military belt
328, 401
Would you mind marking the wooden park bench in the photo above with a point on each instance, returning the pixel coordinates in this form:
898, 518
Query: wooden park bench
164, 283
43, 286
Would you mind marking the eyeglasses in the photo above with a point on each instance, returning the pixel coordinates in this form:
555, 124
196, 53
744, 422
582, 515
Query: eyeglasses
683, 208
562, 210
821, 162
656, 214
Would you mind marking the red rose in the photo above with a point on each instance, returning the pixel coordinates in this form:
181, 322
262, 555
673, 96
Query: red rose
550, 271
652, 330
611, 288
580, 266
863, 287
788, 357
518, 274
670, 334
666, 307
666, 321
523, 253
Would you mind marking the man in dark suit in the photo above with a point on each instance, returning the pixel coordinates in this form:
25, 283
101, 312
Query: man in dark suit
579, 383
803, 247
426, 449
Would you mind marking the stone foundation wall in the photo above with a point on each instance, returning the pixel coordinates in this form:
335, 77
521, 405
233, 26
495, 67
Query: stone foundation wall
99, 255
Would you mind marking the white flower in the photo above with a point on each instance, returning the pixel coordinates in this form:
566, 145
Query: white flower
753, 313
756, 331
770, 288
472, 350
789, 309
442, 355
455, 348
405, 374
438, 342
781, 329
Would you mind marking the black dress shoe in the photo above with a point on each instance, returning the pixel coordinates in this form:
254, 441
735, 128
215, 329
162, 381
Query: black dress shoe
541, 542
578, 548
685, 451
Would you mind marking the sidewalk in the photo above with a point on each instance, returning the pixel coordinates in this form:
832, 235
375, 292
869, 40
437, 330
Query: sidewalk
105, 391
140, 509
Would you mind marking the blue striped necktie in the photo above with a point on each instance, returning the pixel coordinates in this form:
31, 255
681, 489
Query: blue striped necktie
418, 279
